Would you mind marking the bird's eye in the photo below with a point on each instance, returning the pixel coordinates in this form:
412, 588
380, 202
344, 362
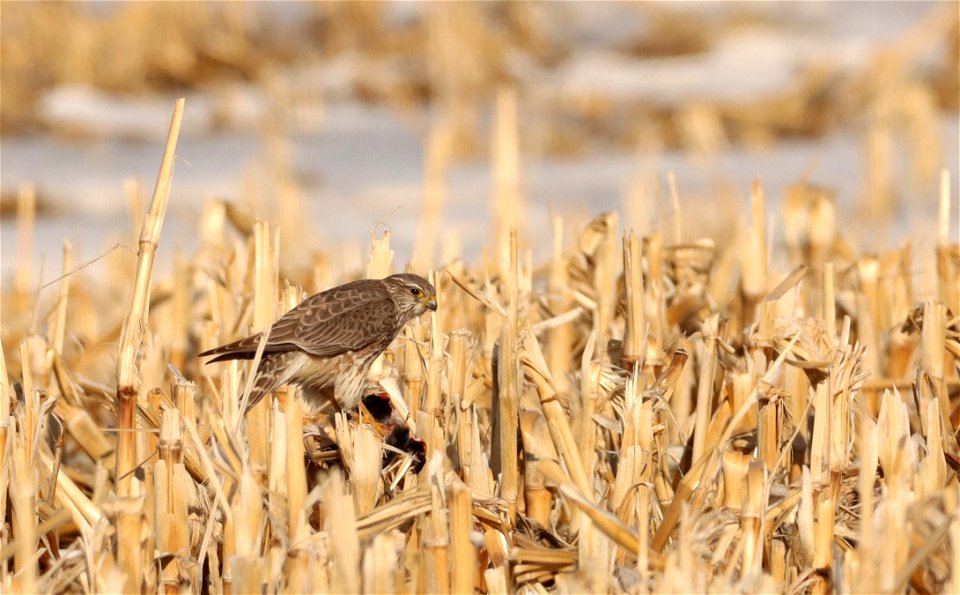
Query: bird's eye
415, 291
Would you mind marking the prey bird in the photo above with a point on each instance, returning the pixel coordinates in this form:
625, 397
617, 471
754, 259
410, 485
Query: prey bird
327, 343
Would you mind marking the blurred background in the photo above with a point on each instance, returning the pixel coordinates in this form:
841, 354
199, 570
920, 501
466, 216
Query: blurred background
335, 119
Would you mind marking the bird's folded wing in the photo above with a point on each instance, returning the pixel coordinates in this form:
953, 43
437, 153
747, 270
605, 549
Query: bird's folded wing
345, 318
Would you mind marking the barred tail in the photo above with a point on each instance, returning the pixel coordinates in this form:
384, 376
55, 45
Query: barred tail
273, 372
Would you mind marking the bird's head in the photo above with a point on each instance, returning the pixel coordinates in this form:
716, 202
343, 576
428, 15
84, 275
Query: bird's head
413, 294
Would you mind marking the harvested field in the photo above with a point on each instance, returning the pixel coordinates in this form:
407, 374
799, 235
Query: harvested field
767, 407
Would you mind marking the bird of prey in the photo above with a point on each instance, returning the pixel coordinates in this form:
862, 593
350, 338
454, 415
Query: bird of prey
327, 343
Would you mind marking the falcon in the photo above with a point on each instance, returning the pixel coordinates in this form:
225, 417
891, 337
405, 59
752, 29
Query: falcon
327, 343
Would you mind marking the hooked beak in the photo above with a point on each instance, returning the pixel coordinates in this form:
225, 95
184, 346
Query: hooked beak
432, 304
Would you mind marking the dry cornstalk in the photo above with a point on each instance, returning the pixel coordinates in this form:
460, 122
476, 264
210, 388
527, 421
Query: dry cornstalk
588, 407
59, 323
829, 302
463, 554
461, 410
635, 335
507, 200
379, 565
535, 367
753, 503
131, 337
947, 289
867, 316
26, 216
245, 559
180, 311
734, 478
605, 277
758, 211
705, 386
753, 260
509, 382
769, 427
171, 492
380, 264
265, 274
932, 349
436, 531
365, 468
433, 400
412, 367
23, 490
297, 566
341, 524
654, 251
538, 447
560, 337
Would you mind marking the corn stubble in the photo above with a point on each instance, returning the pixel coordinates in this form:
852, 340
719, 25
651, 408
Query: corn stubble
638, 414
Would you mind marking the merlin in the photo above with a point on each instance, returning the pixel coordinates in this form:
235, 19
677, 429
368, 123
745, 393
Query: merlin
327, 343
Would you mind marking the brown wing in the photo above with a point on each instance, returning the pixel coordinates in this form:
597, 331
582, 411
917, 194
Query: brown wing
341, 319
